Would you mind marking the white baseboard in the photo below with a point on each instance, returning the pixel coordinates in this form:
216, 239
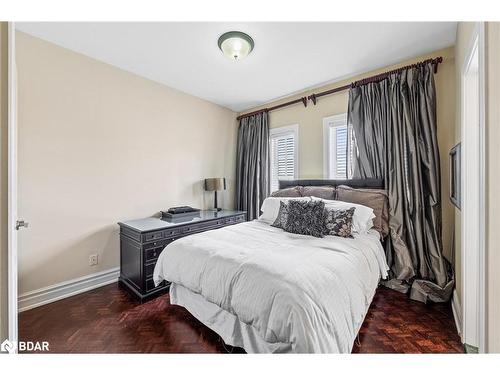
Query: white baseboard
66, 289
457, 312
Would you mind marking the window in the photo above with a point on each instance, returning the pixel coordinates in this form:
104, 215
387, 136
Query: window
338, 147
283, 154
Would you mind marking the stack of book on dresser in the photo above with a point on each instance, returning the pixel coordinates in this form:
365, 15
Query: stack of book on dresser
179, 212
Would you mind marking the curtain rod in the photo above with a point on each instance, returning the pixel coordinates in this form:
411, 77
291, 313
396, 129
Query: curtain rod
376, 78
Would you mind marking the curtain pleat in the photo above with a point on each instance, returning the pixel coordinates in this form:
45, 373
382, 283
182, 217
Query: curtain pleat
252, 164
394, 123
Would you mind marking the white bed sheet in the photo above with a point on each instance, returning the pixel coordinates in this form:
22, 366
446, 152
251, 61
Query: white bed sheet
295, 293
226, 325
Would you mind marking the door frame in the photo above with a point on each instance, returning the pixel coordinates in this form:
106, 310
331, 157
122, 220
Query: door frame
473, 158
12, 188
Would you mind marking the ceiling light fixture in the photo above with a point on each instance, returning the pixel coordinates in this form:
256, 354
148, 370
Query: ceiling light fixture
235, 45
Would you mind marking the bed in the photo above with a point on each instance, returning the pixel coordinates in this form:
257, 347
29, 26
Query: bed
270, 291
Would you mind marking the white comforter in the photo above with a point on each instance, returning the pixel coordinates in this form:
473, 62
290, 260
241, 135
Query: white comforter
311, 292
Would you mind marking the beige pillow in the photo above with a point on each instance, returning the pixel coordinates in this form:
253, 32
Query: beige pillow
324, 192
376, 199
292, 192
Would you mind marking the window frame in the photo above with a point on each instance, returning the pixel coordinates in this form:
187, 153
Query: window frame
282, 131
333, 122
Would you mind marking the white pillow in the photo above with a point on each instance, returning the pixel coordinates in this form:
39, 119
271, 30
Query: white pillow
271, 207
362, 221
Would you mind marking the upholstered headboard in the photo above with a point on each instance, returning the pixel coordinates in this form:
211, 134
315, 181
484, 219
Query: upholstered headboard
369, 183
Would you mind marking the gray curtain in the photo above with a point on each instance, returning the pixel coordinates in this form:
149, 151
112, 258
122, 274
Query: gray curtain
394, 123
252, 164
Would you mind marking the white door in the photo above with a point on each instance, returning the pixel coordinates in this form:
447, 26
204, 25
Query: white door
12, 188
472, 215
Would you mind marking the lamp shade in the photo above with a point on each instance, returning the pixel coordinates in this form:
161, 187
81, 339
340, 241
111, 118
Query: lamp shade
214, 184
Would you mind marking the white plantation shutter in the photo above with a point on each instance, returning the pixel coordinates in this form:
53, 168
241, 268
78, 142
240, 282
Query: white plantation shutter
283, 155
339, 147
351, 152
338, 138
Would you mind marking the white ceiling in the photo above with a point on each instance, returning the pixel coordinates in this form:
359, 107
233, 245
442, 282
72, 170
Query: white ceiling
288, 57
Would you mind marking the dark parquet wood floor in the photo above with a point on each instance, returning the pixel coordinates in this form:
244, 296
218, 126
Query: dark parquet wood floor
109, 320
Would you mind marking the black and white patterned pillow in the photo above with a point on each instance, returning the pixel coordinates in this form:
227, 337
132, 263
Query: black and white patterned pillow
306, 217
339, 222
282, 217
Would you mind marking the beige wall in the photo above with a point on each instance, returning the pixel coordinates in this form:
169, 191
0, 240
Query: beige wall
311, 127
492, 184
3, 179
98, 145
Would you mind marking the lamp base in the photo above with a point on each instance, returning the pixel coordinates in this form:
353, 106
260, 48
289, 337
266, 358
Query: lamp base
216, 209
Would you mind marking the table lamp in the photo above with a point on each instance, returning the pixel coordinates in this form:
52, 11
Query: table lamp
215, 184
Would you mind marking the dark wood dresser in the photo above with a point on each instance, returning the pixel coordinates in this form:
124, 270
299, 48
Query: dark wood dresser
142, 241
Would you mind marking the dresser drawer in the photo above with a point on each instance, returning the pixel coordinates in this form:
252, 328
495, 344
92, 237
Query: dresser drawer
149, 269
161, 243
200, 227
152, 254
212, 224
171, 232
152, 236
235, 219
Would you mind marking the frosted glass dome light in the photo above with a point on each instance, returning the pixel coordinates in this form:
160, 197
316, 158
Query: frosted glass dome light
235, 45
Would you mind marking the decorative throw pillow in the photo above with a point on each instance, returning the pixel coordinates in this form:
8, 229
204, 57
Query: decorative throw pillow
306, 217
292, 192
282, 217
362, 221
339, 222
